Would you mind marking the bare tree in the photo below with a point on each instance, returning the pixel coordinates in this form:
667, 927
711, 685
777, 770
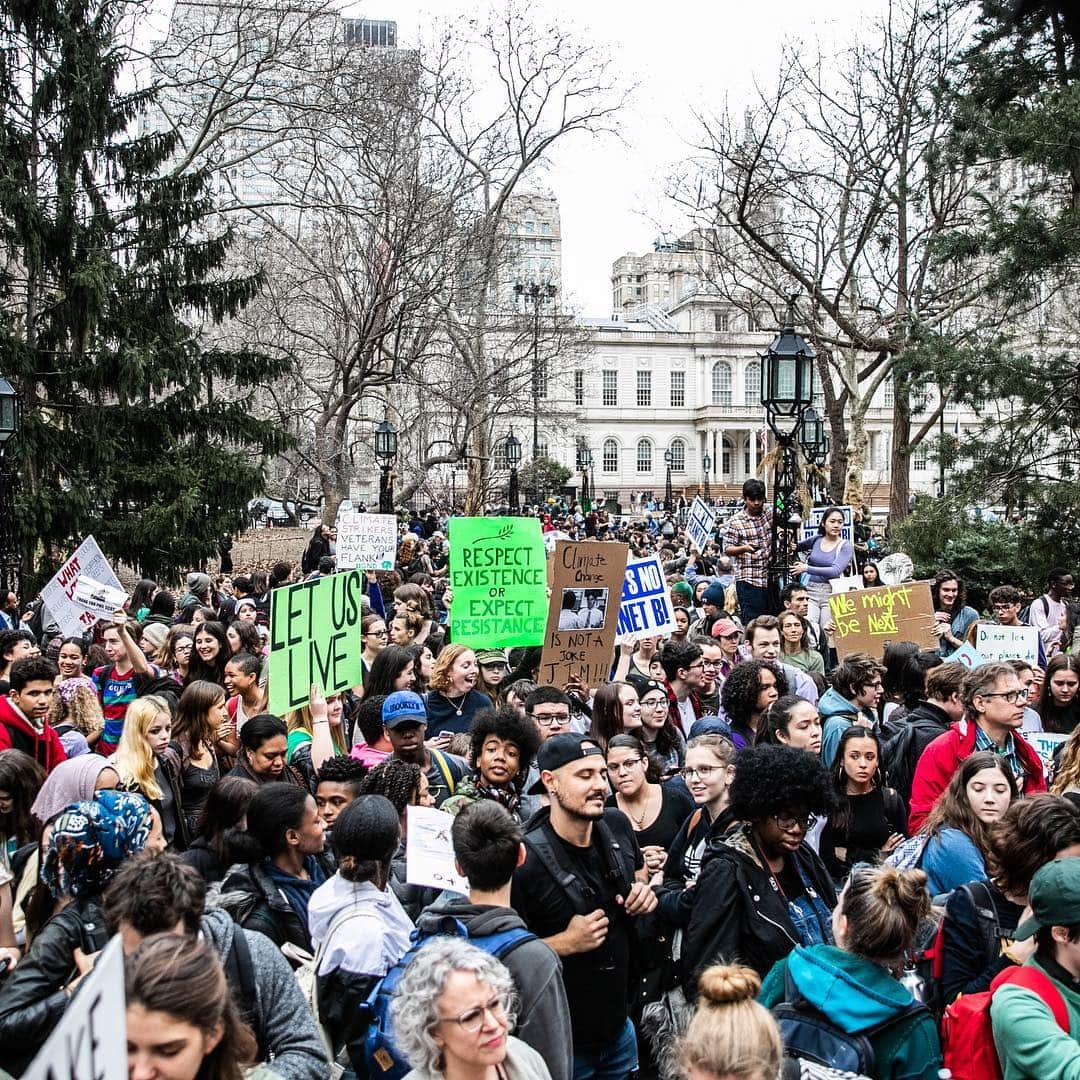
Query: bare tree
835, 185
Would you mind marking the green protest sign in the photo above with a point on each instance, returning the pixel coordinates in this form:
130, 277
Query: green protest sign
314, 638
498, 571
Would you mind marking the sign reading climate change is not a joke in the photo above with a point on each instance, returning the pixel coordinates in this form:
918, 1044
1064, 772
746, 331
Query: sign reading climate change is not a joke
314, 638
498, 571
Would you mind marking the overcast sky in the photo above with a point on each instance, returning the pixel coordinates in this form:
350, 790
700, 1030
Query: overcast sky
683, 56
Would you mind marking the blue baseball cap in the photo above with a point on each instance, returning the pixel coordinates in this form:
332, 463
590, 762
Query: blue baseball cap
403, 707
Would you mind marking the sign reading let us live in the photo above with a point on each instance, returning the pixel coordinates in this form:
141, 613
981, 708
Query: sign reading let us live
869, 619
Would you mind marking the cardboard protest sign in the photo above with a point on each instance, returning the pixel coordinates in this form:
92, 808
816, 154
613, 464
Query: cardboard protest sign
59, 594
967, 655
91, 1039
498, 572
429, 850
645, 607
1045, 743
96, 598
809, 529
587, 581
869, 619
366, 541
699, 525
1007, 642
314, 638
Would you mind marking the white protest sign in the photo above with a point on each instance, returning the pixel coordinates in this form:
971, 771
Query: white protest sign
366, 541
429, 850
1044, 744
809, 529
847, 584
96, 598
91, 1039
1007, 642
699, 525
967, 655
59, 595
645, 609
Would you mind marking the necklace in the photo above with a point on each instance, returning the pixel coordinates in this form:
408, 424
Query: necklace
637, 819
458, 708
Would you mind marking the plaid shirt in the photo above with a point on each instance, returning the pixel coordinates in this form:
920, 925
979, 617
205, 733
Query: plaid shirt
1008, 752
751, 567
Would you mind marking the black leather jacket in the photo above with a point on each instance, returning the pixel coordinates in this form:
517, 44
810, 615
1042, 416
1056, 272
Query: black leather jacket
32, 999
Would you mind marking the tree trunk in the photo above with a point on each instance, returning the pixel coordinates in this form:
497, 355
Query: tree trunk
900, 461
856, 458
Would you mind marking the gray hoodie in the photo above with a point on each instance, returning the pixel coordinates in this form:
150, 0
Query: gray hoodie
281, 1017
543, 1013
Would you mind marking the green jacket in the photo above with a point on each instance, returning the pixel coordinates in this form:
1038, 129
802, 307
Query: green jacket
857, 995
1029, 1042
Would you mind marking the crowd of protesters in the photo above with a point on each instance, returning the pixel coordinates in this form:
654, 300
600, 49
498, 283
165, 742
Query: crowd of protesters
746, 855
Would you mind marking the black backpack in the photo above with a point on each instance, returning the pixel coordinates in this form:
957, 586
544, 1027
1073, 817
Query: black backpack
808, 1034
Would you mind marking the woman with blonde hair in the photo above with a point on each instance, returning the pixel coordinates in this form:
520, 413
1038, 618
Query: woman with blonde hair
856, 982
453, 700
147, 766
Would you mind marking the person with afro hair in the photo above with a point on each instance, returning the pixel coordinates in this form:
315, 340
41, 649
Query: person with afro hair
762, 889
337, 783
746, 696
503, 744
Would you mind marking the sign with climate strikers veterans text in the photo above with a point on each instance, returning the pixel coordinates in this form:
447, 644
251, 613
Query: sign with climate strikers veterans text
366, 541
869, 619
645, 608
498, 573
314, 638
587, 582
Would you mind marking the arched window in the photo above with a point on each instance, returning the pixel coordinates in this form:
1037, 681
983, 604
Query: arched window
752, 384
678, 455
721, 383
611, 456
644, 456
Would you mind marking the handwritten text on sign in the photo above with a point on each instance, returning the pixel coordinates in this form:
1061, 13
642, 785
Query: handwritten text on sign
645, 609
314, 638
498, 571
589, 573
59, 595
869, 619
1008, 642
366, 541
700, 524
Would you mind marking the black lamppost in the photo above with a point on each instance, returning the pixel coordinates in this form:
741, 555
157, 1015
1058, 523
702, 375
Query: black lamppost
787, 392
513, 459
385, 452
669, 495
537, 293
585, 462
706, 465
10, 422
813, 440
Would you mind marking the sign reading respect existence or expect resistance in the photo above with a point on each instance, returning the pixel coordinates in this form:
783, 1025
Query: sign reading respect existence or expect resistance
869, 619
314, 638
645, 608
498, 572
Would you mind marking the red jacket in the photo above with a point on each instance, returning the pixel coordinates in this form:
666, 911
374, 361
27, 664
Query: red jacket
673, 708
16, 733
941, 759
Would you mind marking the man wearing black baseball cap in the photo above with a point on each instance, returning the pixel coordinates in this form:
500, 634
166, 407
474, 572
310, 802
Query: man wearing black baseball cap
582, 883
1035, 1008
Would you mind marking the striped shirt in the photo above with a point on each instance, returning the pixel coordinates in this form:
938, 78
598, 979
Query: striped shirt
116, 692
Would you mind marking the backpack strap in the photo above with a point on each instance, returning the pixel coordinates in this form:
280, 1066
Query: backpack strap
240, 975
695, 820
1042, 986
444, 768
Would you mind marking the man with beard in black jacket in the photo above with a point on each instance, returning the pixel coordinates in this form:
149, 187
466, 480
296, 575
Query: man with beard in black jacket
488, 848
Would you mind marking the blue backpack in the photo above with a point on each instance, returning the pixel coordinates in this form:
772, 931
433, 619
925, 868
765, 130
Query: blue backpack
383, 1058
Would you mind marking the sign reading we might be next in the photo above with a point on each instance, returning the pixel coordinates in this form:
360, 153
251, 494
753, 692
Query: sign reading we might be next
869, 619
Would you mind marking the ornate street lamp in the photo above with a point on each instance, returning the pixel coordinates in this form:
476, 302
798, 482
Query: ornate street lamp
10, 422
669, 495
536, 293
706, 465
513, 459
585, 463
787, 393
386, 447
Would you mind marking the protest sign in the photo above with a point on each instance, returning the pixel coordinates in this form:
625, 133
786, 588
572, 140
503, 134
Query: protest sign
1007, 642
96, 598
59, 595
1045, 743
91, 1039
967, 655
314, 638
366, 541
869, 619
587, 581
498, 572
645, 608
699, 525
429, 850
809, 529
846, 584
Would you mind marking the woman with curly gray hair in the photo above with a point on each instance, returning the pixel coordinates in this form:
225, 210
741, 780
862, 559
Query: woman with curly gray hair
453, 1013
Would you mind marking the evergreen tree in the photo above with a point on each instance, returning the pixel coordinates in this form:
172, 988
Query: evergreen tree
133, 429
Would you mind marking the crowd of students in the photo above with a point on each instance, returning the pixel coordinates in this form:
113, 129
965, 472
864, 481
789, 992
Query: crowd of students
739, 857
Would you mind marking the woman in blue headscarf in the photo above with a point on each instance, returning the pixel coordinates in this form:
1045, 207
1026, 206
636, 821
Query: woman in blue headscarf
86, 844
